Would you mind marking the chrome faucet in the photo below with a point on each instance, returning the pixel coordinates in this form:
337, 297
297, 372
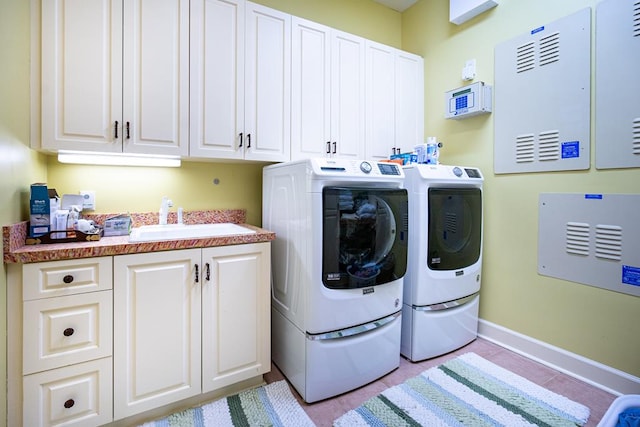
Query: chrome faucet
164, 210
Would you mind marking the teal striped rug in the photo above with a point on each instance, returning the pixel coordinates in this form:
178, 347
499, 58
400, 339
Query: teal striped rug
269, 405
470, 391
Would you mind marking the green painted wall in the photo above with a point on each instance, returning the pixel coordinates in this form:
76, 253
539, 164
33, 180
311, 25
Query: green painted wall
592, 322
595, 323
19, 165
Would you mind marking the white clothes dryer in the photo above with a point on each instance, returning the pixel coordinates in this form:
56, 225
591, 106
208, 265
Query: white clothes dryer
442, 284
338, 261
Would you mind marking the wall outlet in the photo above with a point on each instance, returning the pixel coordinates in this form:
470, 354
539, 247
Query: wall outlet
88, 200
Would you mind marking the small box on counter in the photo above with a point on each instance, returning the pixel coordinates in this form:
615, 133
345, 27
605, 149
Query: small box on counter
39, 210
119, 225
406, 158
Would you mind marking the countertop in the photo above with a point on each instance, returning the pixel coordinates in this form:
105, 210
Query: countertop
16, 251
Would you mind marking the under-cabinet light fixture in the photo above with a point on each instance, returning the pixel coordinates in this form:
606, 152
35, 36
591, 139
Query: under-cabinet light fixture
117, 159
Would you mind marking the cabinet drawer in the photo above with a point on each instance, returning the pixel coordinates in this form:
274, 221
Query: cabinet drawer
78, 395
57, 278
65, 330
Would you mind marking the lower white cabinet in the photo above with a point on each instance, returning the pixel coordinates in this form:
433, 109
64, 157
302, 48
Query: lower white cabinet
96, 340
187, 322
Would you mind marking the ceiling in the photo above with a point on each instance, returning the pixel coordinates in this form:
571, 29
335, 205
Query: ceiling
399, 5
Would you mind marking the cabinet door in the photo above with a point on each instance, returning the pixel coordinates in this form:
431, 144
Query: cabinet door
81, 74
380, 101
217, 78
310, 90
156, 346
409, 101
347, 95
267, 135
236, 331
156, 77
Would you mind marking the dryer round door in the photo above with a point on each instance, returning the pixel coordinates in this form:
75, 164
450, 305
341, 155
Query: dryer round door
455, 227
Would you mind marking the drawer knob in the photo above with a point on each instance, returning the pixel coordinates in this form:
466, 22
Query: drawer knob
69, 403
68, 332
67, 279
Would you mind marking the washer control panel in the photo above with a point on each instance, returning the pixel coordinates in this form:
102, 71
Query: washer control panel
355, 168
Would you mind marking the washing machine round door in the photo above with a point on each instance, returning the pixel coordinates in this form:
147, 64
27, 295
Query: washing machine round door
364, 236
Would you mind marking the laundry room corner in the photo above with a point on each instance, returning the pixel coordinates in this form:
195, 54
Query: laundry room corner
577, 318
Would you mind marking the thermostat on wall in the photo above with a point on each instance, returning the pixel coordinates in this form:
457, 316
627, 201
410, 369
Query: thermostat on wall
468, 101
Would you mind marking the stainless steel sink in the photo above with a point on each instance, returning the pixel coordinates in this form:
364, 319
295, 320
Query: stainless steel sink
148, 233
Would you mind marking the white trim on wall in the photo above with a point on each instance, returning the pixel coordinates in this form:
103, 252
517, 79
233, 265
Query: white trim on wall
597, 374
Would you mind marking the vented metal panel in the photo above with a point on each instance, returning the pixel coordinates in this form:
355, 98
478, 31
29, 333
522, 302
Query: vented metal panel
617, 57
592, 239
542, 98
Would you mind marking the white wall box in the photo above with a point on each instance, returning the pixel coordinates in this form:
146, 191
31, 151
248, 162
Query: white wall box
328, 98
468, 101
592, 239
188, 322
394, 101
240, 81
115, 76
461, 11
542, 98
617, 87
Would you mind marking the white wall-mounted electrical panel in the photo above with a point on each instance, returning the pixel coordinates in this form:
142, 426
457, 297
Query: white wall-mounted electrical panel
617, 85
542, 112
592, 239
462, 10
468, 101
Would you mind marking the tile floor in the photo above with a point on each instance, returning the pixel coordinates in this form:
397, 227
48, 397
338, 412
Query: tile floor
323, 413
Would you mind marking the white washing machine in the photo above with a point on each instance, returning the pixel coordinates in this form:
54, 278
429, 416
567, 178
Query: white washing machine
338, 263
442, 284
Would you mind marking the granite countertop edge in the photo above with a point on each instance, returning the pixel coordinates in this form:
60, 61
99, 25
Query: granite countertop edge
16, 251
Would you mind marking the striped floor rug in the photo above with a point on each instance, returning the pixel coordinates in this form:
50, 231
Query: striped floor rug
269, 405
470, 391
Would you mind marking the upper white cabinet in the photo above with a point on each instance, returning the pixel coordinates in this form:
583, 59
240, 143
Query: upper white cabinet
240, 81
115, 75
219, 79
409, 92
395, 101
328, 92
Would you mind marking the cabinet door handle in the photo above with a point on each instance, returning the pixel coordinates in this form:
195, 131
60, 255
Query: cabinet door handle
328, 147
334, 147
398, 150
248, 140
239, 146
116, 130
68, 332
67, 279
69, 403
208, 273
197, 275
128, 130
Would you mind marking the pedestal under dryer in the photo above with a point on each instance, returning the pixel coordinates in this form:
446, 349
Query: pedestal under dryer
442, 285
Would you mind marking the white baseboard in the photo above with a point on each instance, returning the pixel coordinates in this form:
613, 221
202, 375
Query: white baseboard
597, 374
